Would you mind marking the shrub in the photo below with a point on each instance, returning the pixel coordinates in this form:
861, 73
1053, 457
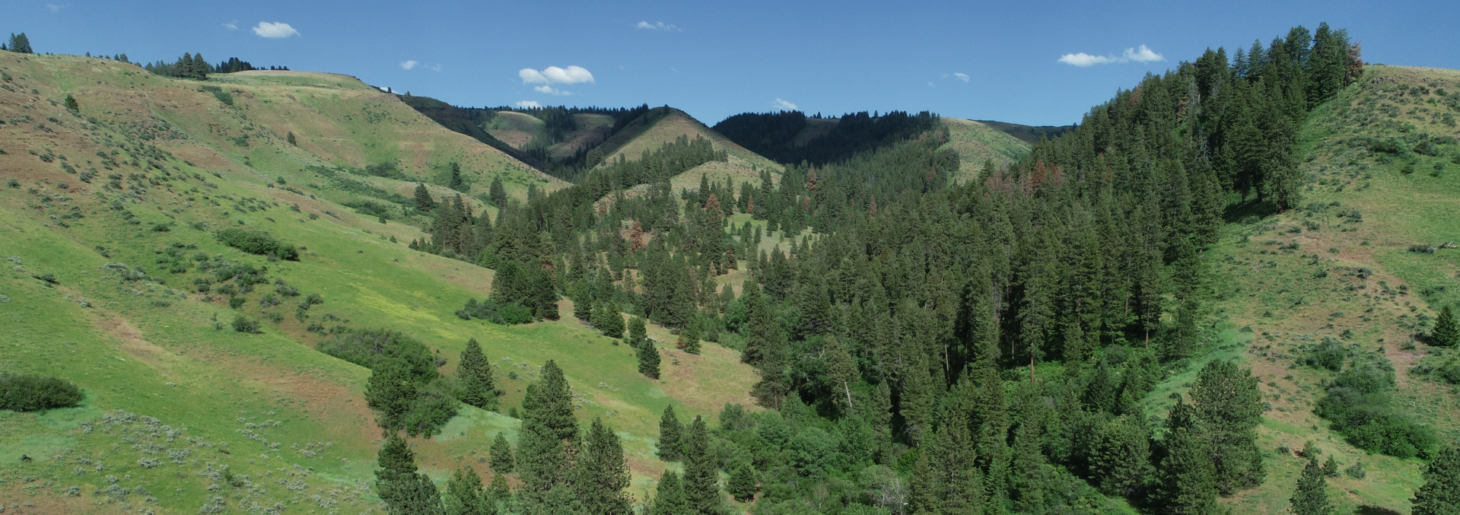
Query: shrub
1330, 355
235, 302
370, 347
35, 393
243, 324
1358, 406
501, 314
255, 242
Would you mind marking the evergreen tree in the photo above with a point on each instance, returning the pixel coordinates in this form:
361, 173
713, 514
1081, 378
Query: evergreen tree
671, 432
1188, 479
1229, 408
454, 180
689, 337
474, 376
404, 491
424, 202
612, 321
1121, 458
1440, 494
638, 332
548, 439
1310, 497
497, 194
669, 496
293, 142
20, 44
71, 104
499, 492
464, 494
603, 474
501, 455
742, 484
1447, 330
648, 356
701, 488
841, 373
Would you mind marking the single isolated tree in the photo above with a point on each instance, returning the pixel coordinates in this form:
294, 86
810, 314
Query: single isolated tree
475, 378
1447, 330
424, 202
671, 441
71, 104
648, 356
1310, 497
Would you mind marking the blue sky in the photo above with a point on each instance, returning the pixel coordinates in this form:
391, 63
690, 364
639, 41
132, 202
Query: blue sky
980, 60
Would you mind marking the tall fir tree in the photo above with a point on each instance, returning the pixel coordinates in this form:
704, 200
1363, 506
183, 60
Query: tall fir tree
1310, 498
546, 444
474, 377
424, 202
648, 357
1229, 407
390, 392
603, 474
1447, 330
669, 496
502, 460
404, 491
701, 474
671, 435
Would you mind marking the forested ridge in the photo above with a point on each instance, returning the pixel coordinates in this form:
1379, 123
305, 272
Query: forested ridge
937, 348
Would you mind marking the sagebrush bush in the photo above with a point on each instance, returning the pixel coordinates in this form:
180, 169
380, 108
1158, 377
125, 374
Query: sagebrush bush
245, 325
255, 242
35, 393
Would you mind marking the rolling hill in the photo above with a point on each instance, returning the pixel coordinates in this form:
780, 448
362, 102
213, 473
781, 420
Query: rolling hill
108, 220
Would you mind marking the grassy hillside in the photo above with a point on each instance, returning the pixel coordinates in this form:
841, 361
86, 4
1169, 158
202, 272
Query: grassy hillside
977, 143
1341, 268
139, 180
1028, 133
662, 125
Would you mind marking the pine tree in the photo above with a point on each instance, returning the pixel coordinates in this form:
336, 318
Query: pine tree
669, 496
742, 484
1440, 494
638, 332
464, 494
497, 193
648, 356
841, 372
474, 376
548, 439
1188, 482
689, 337
1229, 407
454, 180
71, 104
671, 432
1310, 497
424, 202
700, 472
293, 142
20, 44
603, 474
1121, 457
501, 455
612, 321
1447, 330
500, 492
404, 491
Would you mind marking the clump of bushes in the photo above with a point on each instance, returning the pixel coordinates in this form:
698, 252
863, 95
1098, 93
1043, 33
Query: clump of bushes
35, 393
1329, 354
1358, 405
245, 325
256, 242
503, 314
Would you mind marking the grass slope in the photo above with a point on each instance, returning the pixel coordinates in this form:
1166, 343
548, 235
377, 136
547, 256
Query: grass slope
267, 406
977, 143
665, 124
1293, 279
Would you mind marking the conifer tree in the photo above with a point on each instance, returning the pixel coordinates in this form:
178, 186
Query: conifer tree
424, 202
1441, 491
1229, 407
474, 376
638, 332
464, 494
1447, 330
742, 484
546, 443
841, 373
701, 488
404, 491
20, 44
1188, 482
71, 104
499, 492
669, 496
1121, 457
648, 356
689, 337
612, 321
501, 455
497, 193
1310, 497
671, 432
603, 474
293, 142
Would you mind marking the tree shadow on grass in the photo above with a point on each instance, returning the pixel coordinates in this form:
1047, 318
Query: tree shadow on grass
1374, 510
1236, 212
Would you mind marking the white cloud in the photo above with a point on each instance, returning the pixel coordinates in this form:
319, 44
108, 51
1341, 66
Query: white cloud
433, 67
667, 27
55, 8
551, 91
783, 105
555, 75
232, 25
275, 30
408, 64
1142, 54
961, 76
527, 103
